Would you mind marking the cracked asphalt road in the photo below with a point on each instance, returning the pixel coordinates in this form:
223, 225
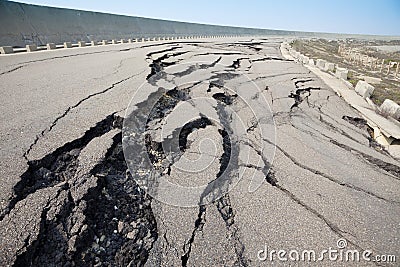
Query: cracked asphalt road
309, 172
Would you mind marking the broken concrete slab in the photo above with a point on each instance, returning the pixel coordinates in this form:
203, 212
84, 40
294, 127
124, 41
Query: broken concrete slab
389, 127
381, 138
364, 89
390, 108
6, 50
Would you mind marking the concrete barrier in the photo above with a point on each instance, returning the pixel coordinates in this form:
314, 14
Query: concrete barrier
320, 64
123, 41
6, 50
142, 39
329, 66
93, 43
31, 48
24, 24
113, 41
342, 73
67, 44
51, 46
306, 60
81, 44
311, 62
390, 108
364, 89
104, 42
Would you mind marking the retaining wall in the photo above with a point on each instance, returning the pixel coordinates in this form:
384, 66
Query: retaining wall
22, 24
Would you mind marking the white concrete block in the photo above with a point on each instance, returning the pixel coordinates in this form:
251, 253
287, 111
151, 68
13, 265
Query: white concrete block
51, 46
104, 42
6, 50
341, 73
81, 44
311, 62
93, 43
320, 63
31, 48
123, 41
329, 66
306, 60
113, 41
364, 89
67, 44
390, 108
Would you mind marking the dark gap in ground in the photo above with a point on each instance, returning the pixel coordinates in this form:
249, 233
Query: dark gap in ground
198, 226
190, 127
362, 124
225, 98
297, 95
117, 226
58, 166
118, 210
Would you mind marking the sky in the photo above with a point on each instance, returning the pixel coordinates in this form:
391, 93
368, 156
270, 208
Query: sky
380, 17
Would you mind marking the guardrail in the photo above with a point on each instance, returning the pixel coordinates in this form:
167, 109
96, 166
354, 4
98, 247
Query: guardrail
52, 46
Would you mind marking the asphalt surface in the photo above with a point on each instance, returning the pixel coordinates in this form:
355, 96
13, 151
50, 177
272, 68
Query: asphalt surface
229, 149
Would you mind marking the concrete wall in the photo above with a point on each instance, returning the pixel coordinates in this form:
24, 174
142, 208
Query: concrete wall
22, 24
